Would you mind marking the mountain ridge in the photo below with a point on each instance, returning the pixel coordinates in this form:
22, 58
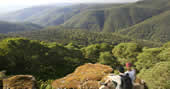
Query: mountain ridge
6, 27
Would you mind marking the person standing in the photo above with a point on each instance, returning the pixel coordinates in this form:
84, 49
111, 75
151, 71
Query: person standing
131, 72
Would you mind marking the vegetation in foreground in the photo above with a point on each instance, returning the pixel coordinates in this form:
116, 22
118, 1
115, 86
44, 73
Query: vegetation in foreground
49, 61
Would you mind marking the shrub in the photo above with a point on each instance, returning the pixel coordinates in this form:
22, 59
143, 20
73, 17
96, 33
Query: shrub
107, 59
127, 51
148, 58
45, 85
158, 76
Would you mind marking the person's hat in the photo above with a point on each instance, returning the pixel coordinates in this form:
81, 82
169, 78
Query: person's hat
128, 64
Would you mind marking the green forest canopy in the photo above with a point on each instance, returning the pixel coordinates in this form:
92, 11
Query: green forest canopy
52, 60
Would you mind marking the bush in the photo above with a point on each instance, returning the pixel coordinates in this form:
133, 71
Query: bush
158, 76
93, 51
165, 55
166, 45
127, 52
148, 58
106, 58
45, 85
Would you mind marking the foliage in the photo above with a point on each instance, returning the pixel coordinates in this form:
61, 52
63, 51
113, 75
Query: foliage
45, 85
77, 36
148, 58
23, 56
158, 76
93, 51
107, 59
127, 52
2, 74
166, 45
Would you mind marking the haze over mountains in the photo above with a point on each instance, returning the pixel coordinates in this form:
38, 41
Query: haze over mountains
147, 19
6, 27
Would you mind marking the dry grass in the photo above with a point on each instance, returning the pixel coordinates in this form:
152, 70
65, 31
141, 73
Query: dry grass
86, 75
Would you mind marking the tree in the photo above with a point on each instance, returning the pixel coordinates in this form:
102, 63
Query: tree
165, 55
166, 45
93, 51
107, 59
127, 52
158, 76
148, 58
22, 54
38, 58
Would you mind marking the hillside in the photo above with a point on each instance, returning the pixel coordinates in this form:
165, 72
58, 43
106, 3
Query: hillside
6, 27
56, 16
23, 14
111, 20
127, 18
115, 18
94, 17
79, 36
66, 35
156, 28
51, 14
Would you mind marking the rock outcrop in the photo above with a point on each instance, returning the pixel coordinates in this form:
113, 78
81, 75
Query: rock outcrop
20, 82
85, 77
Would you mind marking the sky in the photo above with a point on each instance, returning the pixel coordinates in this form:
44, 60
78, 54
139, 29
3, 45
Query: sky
7, 5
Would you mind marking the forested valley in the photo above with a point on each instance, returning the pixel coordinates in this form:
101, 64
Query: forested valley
66, 46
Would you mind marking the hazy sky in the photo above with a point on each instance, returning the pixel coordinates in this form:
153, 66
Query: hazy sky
6, 5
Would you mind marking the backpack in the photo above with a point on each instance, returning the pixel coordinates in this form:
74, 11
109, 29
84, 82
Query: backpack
126, 82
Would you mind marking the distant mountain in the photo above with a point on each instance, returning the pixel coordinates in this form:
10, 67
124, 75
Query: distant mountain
6, 27
51, 14
97, 17
156, 28
55, 16
111, 20
22, 15
128, 18
115, 18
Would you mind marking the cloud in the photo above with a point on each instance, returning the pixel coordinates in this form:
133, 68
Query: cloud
6, 5
39, 2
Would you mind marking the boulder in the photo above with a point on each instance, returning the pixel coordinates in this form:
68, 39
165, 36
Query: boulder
19, 82
87, 75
